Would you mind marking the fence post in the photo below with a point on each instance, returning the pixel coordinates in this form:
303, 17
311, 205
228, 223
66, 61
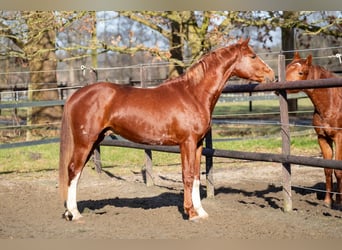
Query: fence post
285, 135
147, 170
97, 159
209, 166
97, 151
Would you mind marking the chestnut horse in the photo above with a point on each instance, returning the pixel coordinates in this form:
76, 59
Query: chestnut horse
327, 118
177, 112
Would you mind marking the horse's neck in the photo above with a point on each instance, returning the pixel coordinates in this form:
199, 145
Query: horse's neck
322, 98
319, 98
209, 80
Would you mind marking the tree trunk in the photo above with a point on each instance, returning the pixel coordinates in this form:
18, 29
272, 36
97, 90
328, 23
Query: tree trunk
176, 49
187, 33
287, 41
40, 51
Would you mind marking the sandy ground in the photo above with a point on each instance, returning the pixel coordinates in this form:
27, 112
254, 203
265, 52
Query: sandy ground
247, 205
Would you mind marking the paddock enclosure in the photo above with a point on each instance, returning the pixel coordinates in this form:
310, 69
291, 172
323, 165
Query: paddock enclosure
255, 197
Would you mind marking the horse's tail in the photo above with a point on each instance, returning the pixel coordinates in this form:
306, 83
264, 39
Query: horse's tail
65, 153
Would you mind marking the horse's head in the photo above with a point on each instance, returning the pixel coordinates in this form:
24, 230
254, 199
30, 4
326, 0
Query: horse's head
298, 69
250, 66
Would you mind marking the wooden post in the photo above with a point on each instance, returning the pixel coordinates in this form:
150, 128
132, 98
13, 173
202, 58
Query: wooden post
147, 170
288, 46
16, 98
97, 159
209, 166
285, 135
97, 154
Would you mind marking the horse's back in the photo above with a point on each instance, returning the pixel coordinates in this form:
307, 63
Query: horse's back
95, 90
95, 98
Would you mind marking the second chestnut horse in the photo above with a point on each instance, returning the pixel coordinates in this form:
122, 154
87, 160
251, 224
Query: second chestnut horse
177, 112
327, 118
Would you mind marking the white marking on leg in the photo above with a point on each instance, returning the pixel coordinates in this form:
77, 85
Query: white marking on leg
196, 199
71, 202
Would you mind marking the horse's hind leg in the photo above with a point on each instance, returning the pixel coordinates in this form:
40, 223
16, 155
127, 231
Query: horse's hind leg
76, 166
72, 212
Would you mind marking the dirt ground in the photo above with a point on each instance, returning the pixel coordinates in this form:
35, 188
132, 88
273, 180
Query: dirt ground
247, 205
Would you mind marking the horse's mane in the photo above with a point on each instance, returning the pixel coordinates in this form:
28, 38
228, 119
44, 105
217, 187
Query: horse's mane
196, 71
319, 72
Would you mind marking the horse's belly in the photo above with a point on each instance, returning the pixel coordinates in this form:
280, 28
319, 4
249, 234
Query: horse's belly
147, 134
149, 138
158, 132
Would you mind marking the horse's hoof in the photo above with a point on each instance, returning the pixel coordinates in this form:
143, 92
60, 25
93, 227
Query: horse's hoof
198, 218
201, 213
196, 214
327, 204
69, 216
195, 219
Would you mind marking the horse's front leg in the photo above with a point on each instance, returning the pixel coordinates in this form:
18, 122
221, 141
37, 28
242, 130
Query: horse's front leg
328, 201
190, 175
338, 173
338, 203
327, 152
196, 198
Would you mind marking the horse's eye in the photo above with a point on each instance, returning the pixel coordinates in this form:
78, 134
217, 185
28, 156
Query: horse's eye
301, 73
253, 56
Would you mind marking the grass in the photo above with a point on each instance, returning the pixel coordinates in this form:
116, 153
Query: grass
259, 108
252, 138
29, 159
125, 160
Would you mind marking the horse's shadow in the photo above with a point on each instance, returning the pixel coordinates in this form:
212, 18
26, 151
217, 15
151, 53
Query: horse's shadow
168, 199
262, 194
274, 201
165, 199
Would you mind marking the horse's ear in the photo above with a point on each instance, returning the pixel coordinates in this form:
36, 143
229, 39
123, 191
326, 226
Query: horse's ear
309, 60
244, 42
296, 55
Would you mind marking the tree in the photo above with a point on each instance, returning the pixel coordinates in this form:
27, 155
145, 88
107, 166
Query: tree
41, 56
189, 35
287, 44
186, 35
192, 33
33, 38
